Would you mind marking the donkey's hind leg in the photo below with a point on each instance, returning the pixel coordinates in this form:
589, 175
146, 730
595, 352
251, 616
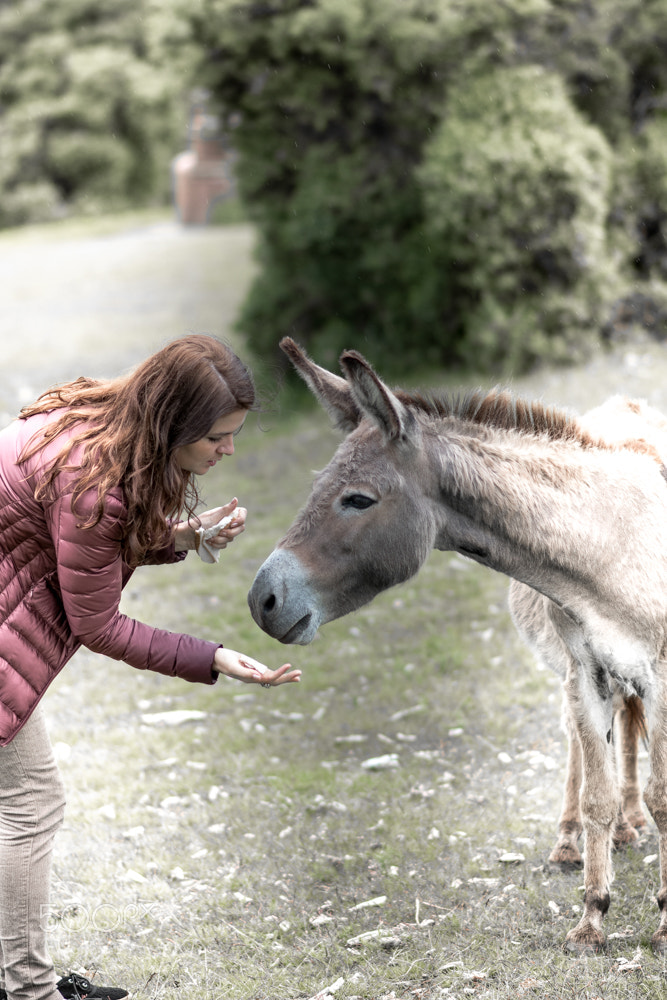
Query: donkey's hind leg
656, 794
631, 729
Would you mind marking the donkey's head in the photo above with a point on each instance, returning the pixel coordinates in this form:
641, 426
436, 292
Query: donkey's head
368, 523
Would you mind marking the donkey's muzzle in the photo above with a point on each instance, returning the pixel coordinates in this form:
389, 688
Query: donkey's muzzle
282, 601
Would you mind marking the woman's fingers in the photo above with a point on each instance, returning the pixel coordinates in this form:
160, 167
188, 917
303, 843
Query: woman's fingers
231, 530
272, 678
251, 671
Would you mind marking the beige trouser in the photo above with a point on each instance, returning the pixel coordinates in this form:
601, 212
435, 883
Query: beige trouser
32, 803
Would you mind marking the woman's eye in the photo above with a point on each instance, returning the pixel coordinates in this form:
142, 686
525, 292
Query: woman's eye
357, 501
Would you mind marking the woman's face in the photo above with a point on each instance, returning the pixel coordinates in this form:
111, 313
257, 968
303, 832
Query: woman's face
200, 456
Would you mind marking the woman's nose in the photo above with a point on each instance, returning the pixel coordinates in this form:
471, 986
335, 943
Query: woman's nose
226, 446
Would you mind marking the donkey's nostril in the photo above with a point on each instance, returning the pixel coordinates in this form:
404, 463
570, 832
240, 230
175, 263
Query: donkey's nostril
270, 602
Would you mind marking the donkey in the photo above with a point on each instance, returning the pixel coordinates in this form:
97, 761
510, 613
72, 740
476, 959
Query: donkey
577, 519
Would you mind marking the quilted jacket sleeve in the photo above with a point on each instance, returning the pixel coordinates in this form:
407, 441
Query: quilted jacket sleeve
90, 579
165, 554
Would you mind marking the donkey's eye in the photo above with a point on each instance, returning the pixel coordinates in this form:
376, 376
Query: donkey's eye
357, 501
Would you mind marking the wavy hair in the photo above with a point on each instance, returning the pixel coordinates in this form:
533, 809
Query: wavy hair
130, 427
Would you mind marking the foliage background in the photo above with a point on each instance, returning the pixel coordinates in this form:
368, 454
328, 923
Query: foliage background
441, 182
445, 182
90, 113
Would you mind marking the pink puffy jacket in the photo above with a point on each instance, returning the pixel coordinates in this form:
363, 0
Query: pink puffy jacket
60, 587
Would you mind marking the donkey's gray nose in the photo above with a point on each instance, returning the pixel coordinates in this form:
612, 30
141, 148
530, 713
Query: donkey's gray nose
281, 599
262, 599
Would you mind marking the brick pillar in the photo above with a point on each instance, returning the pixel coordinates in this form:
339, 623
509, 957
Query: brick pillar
200, 175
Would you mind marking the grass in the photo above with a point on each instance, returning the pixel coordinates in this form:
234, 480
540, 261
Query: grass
227, 857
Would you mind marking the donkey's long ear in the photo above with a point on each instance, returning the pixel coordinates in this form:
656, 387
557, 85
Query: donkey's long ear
376, 399
331, 390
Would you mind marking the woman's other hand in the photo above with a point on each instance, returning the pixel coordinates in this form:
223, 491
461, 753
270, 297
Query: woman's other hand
185, 532
244, 668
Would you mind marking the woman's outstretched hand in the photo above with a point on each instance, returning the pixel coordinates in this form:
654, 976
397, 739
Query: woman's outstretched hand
244, 668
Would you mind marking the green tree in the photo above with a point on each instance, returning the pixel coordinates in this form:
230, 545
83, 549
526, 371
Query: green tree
516, 187
432, 179
333, 104
611, 54
88, 116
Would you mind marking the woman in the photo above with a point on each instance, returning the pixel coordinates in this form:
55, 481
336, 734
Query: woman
96, 479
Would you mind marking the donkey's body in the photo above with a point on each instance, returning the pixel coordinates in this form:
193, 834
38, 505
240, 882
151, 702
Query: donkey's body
576, 518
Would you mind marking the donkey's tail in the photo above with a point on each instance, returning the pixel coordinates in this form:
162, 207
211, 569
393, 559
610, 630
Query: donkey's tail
635, 718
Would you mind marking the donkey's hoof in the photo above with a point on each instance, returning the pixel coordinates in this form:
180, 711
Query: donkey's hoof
586, 940
566, 857
659, 941
624, 834
637, 820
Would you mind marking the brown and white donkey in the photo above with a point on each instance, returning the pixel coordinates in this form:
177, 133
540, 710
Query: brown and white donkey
574, 511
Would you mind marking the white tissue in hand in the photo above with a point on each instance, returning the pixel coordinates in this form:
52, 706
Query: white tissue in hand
207, 552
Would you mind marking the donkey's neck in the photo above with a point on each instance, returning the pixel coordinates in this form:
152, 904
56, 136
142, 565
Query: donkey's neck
585, 527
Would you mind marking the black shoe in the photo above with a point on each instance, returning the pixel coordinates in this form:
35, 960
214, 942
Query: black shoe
75, 987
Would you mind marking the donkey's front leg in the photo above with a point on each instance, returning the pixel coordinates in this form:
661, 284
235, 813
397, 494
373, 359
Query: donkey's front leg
600, 802
656, 794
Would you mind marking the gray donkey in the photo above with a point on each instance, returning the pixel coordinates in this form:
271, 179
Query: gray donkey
573, 511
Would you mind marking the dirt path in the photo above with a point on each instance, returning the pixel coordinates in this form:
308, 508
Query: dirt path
75, 301
96, 304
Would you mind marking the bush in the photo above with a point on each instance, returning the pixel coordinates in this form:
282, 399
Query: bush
639, 232
86, 111
333, 103
103, 161
611, 56
642, 199
516, 189
28, 203
376, 142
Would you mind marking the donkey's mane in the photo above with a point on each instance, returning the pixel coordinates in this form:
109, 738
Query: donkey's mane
501, 409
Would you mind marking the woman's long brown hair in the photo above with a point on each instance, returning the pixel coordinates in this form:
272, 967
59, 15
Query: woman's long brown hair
130, 427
